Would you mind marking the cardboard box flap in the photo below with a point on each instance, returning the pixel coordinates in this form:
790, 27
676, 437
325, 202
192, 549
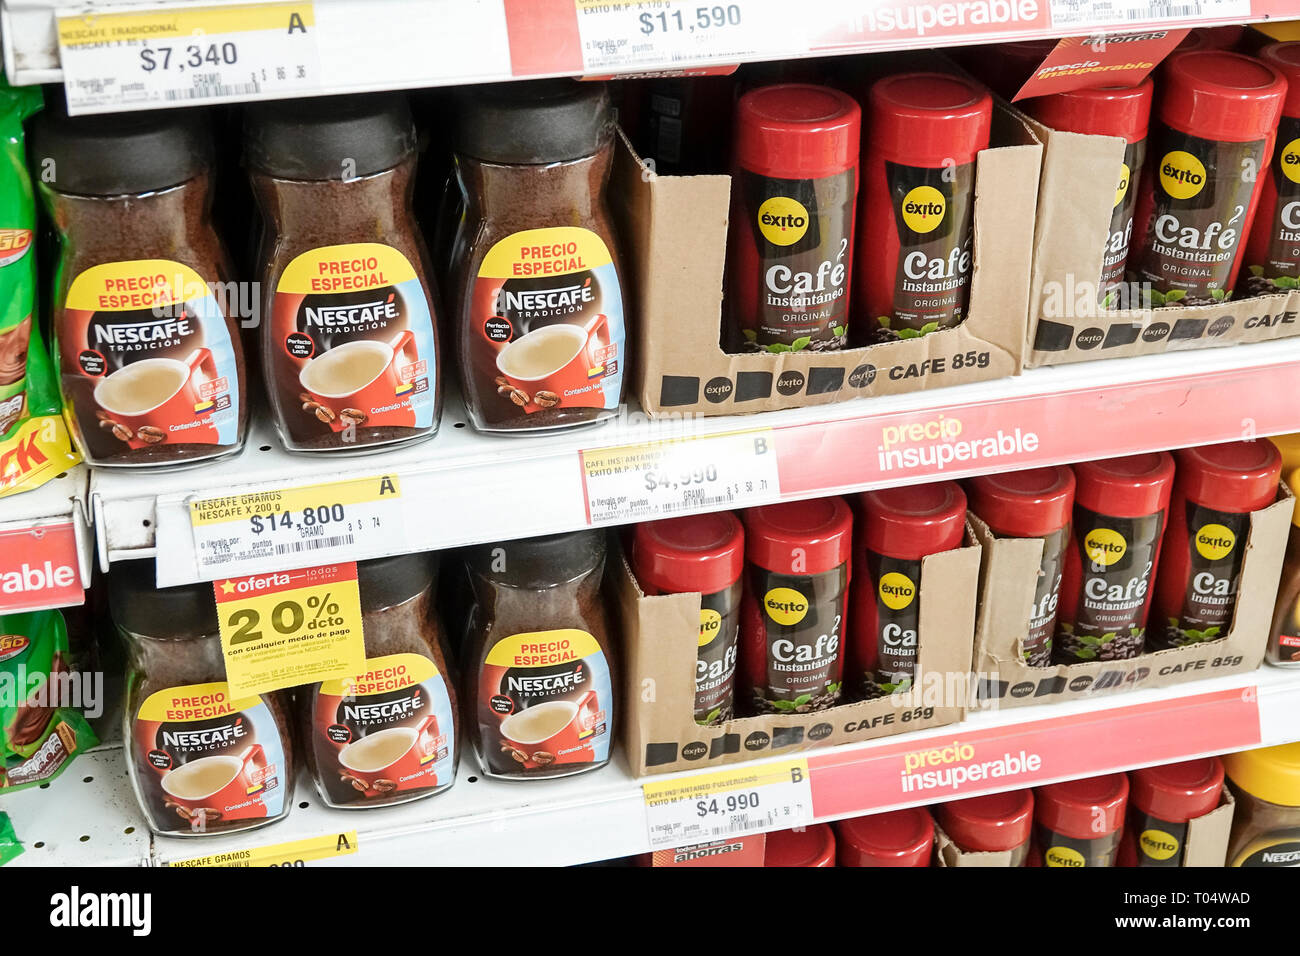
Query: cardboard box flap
1207, 836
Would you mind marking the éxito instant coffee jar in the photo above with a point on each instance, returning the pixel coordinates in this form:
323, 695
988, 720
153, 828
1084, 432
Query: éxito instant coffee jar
1080, 822
900, 526
148, 356
1205, 168
1273, 250
388, 734
792, 625
1122, 111
1162, 801
1035, 503
918, 182
201, 760
350, 329
897, 838
1216, 489
996, 823
794, 194
704, 553
1120, 507
810, 846
541, 332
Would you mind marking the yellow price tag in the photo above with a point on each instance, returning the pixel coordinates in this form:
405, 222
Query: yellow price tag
290, 628
728, 803
293, 853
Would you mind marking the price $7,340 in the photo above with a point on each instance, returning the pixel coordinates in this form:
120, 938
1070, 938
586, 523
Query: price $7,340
193, 56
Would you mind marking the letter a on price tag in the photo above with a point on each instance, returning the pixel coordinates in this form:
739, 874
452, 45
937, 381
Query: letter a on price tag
289, 628
714, 806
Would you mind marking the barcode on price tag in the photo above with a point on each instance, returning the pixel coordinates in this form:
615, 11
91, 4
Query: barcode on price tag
291, 527
143, 58
729, 803
1083, 13
627, 35
679, 476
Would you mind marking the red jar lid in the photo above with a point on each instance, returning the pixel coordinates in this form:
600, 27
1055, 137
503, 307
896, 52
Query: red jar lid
702, 553
1179, 792
1214, 94
1008, 65
1109, 111
1083, 809
818, 532
1024, 504
812, 846
899, 838
1285, 58
912, 522
929, 119
1237, 476
997, 822
1129, 487
797, 131
1212, 38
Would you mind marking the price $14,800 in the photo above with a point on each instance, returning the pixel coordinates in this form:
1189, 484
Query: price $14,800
310, 518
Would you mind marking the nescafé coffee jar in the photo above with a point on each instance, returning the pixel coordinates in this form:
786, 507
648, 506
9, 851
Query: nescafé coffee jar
388, 734
541, 330
537, 664
149, 361
350, 330
201, 760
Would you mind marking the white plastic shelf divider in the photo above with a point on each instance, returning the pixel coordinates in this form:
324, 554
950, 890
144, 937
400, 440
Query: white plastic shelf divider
50, 523
398, 44
464, 487
601, 815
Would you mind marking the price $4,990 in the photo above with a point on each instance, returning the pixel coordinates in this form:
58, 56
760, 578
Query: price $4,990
731, 803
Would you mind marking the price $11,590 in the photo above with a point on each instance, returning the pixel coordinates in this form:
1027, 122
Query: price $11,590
731, 803
678, 21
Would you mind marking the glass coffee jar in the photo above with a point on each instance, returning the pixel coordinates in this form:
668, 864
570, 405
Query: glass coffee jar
541, 330
150, 365
1266, 823
201, 761
388, 734
538, 669
350, 332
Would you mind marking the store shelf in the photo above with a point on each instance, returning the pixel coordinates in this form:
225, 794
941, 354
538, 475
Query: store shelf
465, 487
46, 544
396, 44
601, 815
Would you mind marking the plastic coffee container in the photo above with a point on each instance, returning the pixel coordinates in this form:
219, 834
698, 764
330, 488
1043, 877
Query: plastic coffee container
1217, 114
1266, 824
997, 823
1122, 111
811, 846
704, 553
1035, 503
794, 605
1217, 488
794, 194
1162, 801
1080, 822
900, 526
1273, 251
918, 183
1120, 507
898, 838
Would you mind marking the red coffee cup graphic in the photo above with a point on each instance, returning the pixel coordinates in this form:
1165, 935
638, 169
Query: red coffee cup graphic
554, 365
385, 760
549, 730
221, 785
366, 376
149, 396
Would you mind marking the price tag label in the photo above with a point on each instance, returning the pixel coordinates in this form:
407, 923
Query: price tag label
293, 853
263, 530
290, 627
729, 803
180, 56
678, 476
626, 35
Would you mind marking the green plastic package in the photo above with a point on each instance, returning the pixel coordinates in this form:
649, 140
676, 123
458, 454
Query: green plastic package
34, 444
42, 727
